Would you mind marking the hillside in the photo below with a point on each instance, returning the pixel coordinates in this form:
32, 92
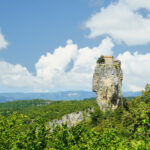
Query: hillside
48, 110
128, 127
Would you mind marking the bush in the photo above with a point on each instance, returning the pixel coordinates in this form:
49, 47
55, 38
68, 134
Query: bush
101, 60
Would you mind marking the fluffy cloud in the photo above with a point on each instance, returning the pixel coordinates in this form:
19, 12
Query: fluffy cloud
67, 67
137, 4
3, 42
15, 75
122, 22
136, 70
71, 67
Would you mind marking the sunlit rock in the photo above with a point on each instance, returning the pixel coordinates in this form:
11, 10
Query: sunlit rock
107, 83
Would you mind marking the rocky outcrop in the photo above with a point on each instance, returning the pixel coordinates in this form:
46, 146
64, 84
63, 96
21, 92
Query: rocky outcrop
107, 83
72, 118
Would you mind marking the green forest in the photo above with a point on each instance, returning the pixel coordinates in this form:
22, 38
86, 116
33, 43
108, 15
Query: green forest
23, 125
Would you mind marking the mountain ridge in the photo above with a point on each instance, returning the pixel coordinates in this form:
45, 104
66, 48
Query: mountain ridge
66, 95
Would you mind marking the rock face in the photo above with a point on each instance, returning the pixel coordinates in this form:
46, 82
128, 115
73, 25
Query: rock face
72, 118
107, 83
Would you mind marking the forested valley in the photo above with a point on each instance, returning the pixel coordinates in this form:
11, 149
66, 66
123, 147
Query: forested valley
23, 125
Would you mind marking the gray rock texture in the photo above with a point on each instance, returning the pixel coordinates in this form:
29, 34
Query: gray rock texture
107, 83
72, 118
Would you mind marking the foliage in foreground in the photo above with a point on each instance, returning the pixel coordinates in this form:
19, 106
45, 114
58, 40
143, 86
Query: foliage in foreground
126, 128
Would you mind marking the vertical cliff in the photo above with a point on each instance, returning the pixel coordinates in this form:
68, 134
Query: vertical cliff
107, 83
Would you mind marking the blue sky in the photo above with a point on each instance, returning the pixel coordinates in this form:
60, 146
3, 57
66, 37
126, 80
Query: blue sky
32, 30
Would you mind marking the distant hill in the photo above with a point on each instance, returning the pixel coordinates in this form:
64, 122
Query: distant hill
131, 94
67, 95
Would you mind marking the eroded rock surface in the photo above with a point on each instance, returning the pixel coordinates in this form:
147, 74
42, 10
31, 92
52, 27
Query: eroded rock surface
107, 83
72, 118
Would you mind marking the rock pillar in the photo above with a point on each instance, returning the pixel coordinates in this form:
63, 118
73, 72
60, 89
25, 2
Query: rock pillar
107, 83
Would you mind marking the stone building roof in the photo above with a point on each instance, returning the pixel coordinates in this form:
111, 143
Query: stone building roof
108, 56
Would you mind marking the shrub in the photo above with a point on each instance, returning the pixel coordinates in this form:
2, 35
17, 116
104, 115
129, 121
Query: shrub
101, 60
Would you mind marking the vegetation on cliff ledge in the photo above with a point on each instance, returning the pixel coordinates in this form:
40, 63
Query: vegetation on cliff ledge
127, 128
101, 60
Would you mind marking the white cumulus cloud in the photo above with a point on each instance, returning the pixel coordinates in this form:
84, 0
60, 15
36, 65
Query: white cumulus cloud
121, 22
15, 75
71, 67
67, 67
137, 4
136, 70
3, 42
